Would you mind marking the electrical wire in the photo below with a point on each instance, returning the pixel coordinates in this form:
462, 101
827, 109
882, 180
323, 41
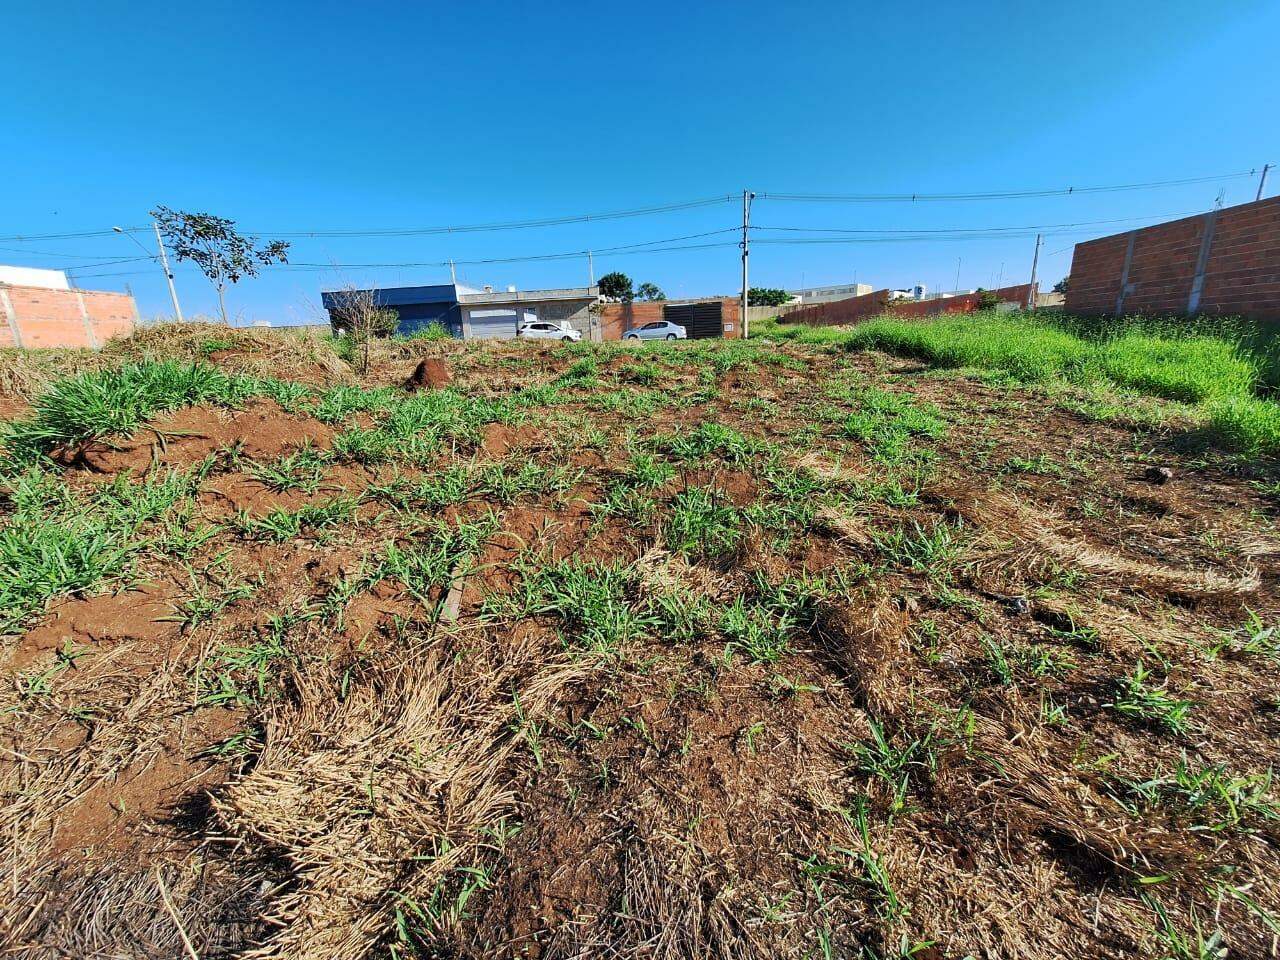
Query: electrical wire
504, 225
682, 205
909, 231
68, 256
423, 231
997, 194
569, 254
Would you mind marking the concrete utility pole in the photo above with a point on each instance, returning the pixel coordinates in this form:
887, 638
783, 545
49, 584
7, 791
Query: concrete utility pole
453, 272
591, 270
1262, 183
164, 262
747, 197
1031, 288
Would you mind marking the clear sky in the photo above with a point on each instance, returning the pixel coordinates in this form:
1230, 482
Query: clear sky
294, 117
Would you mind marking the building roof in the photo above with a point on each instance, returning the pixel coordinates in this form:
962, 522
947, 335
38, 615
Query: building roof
451, 293
398, 296
530, 296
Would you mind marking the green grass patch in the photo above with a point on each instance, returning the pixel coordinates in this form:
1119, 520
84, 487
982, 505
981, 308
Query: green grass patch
1222, 366
115, 402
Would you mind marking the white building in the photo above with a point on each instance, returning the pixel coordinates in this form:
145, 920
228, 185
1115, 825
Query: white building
34, 277
828, 294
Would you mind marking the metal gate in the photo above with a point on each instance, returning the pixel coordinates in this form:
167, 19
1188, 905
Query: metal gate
700, 320
492, 324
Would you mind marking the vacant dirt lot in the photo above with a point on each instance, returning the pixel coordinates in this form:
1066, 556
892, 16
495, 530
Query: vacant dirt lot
696, 650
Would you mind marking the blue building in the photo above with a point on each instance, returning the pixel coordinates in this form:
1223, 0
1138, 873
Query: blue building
418, 307
468, 313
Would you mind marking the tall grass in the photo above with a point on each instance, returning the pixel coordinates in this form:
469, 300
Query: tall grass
114, 402
1225, 367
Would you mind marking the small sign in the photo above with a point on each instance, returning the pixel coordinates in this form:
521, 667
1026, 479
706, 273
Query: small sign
728, 327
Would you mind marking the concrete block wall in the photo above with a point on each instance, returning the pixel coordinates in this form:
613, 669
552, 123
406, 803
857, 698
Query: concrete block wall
36, 317
1224, 263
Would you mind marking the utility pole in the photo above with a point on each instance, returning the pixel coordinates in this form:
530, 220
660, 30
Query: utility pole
164, 262
956, 289
1031, 288
591, 270
453, 272
1262, 183
747, 197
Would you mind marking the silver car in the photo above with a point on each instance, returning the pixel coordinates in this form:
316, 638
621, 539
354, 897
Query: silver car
657, 330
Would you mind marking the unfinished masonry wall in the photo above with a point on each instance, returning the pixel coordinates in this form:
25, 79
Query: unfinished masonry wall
877, 303
1224, 263
32, 317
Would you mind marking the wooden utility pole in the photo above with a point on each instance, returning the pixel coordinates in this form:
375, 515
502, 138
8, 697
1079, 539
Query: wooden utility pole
747, 197
1031, 288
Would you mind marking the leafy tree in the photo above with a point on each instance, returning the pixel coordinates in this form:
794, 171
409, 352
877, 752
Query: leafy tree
1061, 286
212, 244
767, 297
987, 299
617, 286
649, 291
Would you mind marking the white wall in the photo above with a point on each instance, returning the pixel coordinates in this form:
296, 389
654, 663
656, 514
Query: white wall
34, 277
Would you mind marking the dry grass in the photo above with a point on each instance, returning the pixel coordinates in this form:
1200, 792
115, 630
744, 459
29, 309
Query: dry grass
1037, 534
391, 732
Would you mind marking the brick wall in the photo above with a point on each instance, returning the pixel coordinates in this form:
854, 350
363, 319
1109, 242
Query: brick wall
876, 303
34, 317
617, 318
1241, 266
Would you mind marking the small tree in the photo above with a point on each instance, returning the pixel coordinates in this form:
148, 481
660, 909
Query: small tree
767, 297
617, 286
212, 244
650, 292
358, 315
987, 299
1061, 286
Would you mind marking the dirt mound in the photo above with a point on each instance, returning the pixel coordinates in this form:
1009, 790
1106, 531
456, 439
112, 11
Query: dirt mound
429, 374
288, 353
146, 615
187, 436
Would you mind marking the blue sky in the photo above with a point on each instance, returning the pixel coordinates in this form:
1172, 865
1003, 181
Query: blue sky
324, 116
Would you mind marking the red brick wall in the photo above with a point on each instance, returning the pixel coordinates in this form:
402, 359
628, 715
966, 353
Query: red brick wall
877, 302
63, 318
1241, 277
617, 318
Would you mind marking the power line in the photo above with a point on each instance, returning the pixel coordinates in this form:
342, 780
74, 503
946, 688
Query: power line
423, 231
123, 273
68, 256
503, 225
680, 205
645, 247
27, 237
970, 230
997, 194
